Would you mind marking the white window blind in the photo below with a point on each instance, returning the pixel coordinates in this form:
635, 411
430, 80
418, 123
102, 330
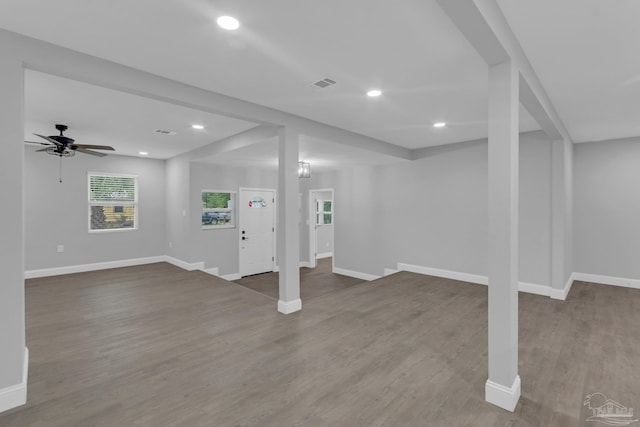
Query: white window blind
113, 202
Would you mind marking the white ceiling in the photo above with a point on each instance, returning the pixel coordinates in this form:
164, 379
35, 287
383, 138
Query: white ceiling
127, 122
410, 50
585, 53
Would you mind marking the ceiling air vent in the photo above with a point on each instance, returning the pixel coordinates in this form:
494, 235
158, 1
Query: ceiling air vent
326, 82
165, 132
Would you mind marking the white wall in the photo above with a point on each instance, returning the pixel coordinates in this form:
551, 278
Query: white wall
219, 247
432, 212
607, 208
57, 213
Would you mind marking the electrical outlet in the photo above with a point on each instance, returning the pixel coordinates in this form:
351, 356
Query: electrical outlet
60, 248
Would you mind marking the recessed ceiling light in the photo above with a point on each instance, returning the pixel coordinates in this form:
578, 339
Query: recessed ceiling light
374, 92
228, 23
197, 126
143, 153
439, 125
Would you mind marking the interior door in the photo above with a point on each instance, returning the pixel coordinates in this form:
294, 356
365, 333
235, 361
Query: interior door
257, 231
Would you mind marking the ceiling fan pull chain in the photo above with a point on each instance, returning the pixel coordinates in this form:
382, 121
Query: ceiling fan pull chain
60, 169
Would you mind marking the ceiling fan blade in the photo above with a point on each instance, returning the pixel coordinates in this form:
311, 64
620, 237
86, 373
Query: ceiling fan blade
51, 140
93, 153
43, 149
35, 142
93, 147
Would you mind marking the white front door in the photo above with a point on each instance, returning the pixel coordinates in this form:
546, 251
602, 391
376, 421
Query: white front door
257, 231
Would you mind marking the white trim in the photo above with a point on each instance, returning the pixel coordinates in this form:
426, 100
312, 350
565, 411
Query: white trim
183, 264
607, 280
356, 274
231, 277
16, 395
389, 272
311, 223
463, 277
501, 396
288, 307
561, 294
534, 288
324, 255
56, 271
531, 288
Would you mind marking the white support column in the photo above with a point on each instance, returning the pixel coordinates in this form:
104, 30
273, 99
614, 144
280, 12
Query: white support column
561, 218
503, 386
14, 357
288, 239
557, 219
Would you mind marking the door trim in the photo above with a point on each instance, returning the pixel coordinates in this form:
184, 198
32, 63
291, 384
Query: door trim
312, 225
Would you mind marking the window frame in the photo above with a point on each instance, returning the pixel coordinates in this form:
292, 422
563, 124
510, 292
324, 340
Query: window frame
233, 197
321, 212
135, 203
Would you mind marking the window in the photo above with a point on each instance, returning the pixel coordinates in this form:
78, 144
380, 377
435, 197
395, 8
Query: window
324, 212
218, 209
113, 202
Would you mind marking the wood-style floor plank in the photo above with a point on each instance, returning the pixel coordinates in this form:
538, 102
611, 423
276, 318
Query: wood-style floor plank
159, 346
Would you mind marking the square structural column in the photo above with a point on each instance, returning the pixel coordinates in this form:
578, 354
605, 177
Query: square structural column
561, 217
503, 386
288, 231
14, 356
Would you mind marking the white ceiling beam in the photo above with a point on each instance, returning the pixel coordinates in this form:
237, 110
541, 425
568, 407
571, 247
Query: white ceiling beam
52, 59
487, 30
262, 133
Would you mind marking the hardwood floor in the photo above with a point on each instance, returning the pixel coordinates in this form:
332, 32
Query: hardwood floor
159, 346
313, 281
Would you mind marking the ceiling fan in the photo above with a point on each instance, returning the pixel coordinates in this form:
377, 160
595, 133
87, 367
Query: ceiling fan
63, 146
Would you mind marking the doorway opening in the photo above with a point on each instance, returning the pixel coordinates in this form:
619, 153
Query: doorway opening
321, 224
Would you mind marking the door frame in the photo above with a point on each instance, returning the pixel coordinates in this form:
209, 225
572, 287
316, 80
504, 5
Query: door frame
275, 225
312, 225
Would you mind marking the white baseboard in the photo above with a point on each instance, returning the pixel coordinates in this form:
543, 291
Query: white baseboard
531, 288
448, 274
324, 255
56, 271
501, 396
16, 395
231, 277
305, 264
288, 307
561, 294
389, 272
356, 274
607, 280
183, 264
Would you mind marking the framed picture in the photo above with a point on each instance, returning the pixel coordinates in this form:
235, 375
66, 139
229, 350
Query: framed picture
218, 209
